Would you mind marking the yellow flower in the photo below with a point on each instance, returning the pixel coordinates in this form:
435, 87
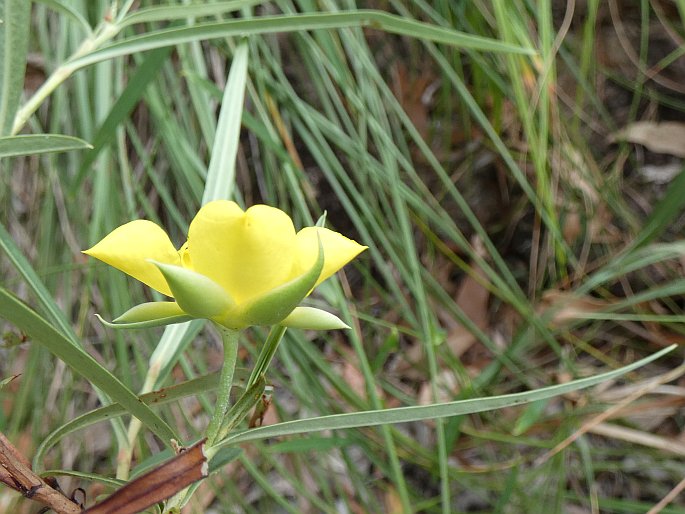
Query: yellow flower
238, 268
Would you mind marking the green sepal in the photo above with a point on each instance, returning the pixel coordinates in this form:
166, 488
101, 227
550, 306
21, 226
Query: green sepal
309, 318
195, 294
274, 306
145, 323
150, 311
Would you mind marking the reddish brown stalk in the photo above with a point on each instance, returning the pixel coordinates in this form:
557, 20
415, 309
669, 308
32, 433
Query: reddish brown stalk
16, 473
159, 484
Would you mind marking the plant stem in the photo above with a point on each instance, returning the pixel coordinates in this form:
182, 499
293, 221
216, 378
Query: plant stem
223, 400
104, 33
230, 339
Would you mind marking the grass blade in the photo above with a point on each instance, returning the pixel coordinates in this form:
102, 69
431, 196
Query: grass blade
126, 102
14, 40
663, 214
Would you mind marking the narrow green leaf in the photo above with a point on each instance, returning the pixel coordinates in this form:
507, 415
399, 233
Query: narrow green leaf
294, 23
11, 146
90, 477
46, 301
628, 262
14, 40
421, 412
41, 332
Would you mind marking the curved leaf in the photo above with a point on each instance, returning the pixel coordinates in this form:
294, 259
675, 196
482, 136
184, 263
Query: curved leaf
421, 412
289, 23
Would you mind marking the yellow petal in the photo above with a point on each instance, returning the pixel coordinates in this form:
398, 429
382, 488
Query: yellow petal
247, 253
184, 255
129, 247
338, 250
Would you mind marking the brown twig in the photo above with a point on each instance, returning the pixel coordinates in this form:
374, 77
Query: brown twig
16, 473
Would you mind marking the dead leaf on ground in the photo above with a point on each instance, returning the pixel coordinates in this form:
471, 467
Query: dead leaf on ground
667, 137
566, 306
392, 501
447, 386
473, 298
354, 378
350, 371
662, 173
572, 228
414, 92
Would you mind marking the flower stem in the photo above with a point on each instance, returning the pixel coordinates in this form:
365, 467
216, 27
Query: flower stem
223, 400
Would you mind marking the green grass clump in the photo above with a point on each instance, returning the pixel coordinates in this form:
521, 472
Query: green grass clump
511, 246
